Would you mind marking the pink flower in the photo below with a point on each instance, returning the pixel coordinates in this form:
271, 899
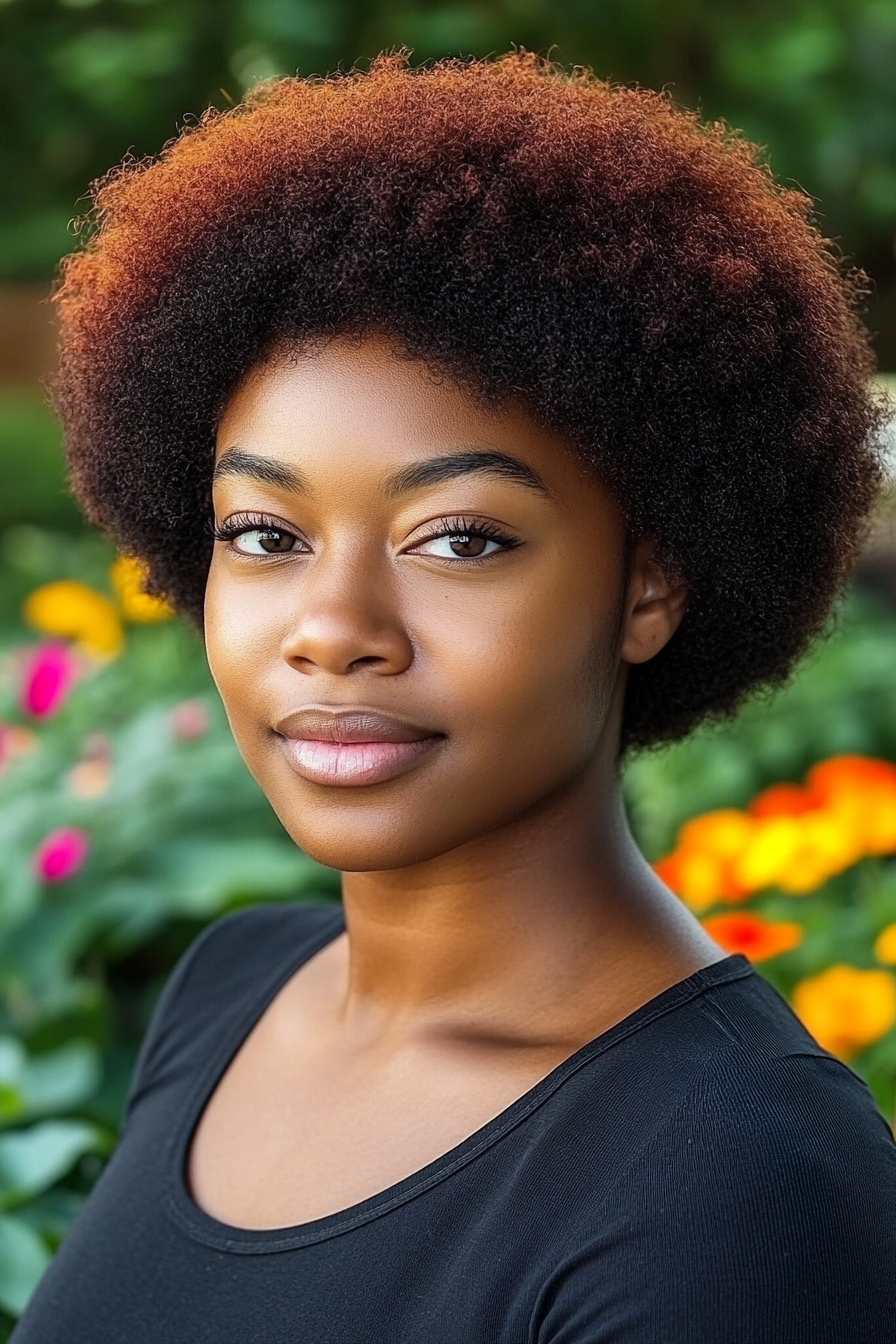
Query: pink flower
189, 719
61, 854
49, 674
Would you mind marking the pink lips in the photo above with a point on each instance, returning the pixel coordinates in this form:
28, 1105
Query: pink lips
351, 747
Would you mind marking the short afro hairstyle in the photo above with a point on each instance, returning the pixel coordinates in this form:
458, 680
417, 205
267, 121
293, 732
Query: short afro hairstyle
634, 276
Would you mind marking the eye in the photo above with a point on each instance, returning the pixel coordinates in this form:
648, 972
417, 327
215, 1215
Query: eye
461, 538
459, 546
248, 535
266, 541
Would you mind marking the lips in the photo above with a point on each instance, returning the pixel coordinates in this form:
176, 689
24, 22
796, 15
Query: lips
352, 747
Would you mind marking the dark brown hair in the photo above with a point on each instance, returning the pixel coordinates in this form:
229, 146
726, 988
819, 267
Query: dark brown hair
635, 276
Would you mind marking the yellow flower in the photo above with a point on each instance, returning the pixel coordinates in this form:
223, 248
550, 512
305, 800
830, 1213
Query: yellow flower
885, 945
846, 1008
769, 851
128, 577
71, 610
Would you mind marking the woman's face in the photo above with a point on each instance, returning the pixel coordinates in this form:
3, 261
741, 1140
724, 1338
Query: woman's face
420, 617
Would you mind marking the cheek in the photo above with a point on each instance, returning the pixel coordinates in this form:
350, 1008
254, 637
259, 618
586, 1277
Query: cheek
528, 676
242, 640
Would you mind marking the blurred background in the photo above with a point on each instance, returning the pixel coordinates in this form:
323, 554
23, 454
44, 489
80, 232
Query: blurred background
126, 819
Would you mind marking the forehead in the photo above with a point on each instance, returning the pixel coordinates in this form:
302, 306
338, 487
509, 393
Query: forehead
367, 405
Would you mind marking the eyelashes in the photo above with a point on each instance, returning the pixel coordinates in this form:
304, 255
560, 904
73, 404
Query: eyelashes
238, 523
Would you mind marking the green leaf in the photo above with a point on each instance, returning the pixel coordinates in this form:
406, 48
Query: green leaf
202, 877
61, 1079
33, 1159
12, 1060
23, 1259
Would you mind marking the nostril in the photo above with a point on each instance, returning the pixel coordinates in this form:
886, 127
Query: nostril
367, 661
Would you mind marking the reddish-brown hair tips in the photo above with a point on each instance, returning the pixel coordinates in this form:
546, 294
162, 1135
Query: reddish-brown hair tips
634, 275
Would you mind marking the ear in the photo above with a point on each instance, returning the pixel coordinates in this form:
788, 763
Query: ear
655, 604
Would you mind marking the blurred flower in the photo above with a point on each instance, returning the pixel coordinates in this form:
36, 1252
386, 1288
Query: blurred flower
846, 1008
89, 779
128, 577
61, 854
700, 868
14, 742
859, 792
74, 611
781, 800
49, 674
755, 937
189, 719
770, 850
792, 837
885, 945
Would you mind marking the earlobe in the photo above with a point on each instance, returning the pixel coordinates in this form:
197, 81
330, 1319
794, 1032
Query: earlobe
656, 603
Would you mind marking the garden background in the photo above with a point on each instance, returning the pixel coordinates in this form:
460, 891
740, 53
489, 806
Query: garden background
127, 821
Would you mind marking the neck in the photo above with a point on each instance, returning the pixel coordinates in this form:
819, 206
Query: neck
530, 926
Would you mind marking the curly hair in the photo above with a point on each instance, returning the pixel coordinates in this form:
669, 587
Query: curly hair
635, 276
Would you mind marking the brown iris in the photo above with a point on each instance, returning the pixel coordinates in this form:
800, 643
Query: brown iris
465, 545
274, 541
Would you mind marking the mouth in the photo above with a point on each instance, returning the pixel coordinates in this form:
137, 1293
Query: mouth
352, 747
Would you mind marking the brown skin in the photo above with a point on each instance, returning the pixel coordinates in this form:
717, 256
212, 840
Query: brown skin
498, 913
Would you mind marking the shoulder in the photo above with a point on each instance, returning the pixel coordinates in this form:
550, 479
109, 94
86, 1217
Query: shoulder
762, 1207
233, 964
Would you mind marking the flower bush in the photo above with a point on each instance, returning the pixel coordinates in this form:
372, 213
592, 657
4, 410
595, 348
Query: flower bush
779, 833
794, 839
128, 821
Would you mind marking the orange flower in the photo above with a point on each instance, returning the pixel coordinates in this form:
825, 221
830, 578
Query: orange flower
697, 878
791, 837
846, 1008
699, 869
782, 800
755, 937
860, 792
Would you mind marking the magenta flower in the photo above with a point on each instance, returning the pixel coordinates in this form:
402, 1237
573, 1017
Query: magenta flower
61, 854
49, 674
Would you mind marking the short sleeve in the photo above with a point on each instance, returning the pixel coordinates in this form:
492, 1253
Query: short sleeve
764, 1212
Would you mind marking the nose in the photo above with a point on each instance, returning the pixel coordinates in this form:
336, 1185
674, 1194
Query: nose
346, 619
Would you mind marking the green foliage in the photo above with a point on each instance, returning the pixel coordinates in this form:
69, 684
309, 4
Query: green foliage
181, 835
31, 463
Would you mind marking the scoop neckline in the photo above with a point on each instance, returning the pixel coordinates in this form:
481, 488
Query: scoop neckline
205, 1228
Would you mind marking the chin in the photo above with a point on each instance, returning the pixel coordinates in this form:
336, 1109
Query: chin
354, 848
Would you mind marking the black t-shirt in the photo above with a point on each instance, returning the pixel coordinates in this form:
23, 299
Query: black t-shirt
701, 1172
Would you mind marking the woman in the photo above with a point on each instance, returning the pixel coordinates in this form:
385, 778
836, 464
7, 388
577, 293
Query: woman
533, 419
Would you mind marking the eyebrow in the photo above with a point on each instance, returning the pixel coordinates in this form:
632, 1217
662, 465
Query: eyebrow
430, 471
434, 470
234, 462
